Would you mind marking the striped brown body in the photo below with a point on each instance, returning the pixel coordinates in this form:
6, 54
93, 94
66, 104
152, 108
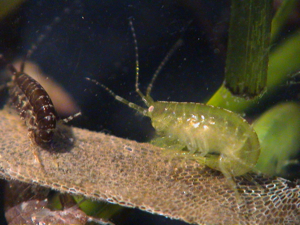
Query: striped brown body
34, 106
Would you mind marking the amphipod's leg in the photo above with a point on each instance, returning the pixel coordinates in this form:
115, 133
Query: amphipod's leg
225, 170
35, 150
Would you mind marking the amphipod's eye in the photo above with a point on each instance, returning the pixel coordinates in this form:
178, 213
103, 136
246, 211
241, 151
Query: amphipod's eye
151, 108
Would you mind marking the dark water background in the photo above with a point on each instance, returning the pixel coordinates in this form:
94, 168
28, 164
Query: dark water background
94, 40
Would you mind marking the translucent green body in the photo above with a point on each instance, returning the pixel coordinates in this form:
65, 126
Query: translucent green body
210, 135
220, 138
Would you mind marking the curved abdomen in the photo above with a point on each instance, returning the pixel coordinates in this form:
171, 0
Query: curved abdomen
34, 106
223, 137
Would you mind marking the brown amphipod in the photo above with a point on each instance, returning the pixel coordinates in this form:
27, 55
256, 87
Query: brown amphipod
33, 104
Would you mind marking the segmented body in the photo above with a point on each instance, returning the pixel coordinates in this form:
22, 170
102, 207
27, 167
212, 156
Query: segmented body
34, 106
224, 140
210, 135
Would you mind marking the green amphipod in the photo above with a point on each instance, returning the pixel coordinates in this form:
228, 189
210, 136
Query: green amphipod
213, 136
